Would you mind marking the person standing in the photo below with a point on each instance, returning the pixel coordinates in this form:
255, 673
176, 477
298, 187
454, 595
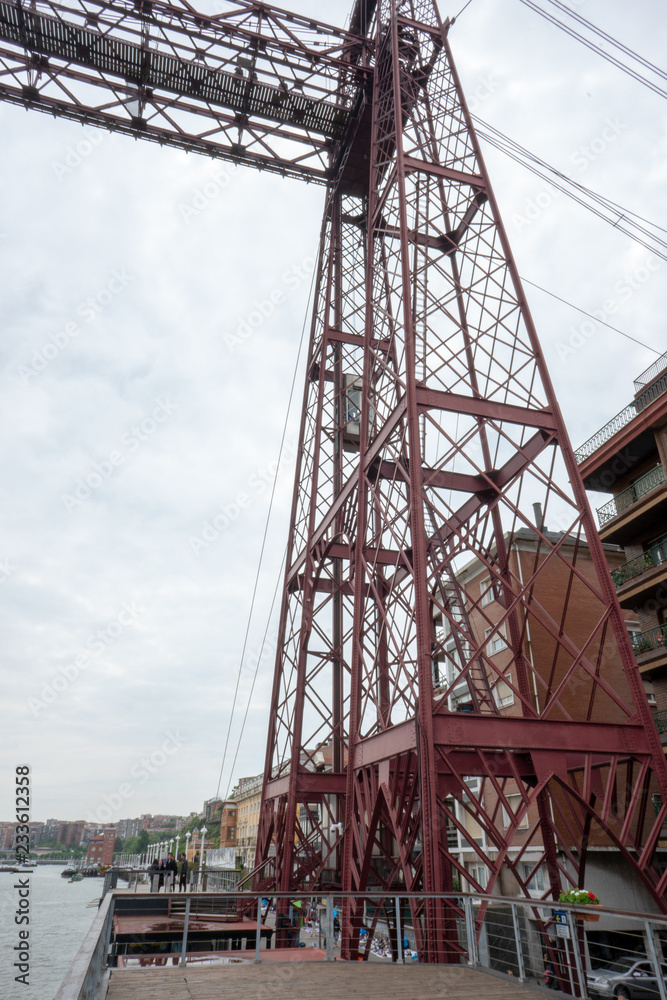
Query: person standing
170, 872
183, 874
154, 875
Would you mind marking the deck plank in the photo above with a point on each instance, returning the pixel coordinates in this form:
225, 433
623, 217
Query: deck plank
328, 981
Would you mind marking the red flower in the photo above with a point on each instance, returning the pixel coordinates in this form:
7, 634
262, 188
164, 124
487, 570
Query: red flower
591, 895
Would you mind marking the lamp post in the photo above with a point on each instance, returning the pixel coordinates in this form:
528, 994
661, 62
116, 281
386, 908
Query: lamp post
202, 862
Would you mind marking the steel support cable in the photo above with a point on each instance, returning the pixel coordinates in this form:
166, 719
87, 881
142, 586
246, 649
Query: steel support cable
254, 678
565, 302
595, 48
620, 219
608, 38
261, 553
600, 199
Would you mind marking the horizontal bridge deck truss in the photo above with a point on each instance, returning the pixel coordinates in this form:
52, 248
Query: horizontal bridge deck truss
252, 84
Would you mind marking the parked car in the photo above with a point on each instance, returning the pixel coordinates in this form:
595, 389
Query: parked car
627, 977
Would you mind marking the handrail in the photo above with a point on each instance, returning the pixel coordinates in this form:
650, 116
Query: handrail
653, 638
462, 916
660, 719
654, 556
627, 497
84, 974
650, 374
627, 414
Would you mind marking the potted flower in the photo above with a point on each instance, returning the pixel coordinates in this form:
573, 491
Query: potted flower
581, 897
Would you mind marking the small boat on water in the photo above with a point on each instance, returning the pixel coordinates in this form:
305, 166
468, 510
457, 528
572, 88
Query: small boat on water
76, 877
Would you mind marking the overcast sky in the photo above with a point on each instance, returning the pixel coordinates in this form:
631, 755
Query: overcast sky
126, 278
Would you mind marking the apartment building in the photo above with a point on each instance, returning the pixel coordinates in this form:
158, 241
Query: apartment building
492, 687
627, 459
248, 798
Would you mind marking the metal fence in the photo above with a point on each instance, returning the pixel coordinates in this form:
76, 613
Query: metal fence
583, 951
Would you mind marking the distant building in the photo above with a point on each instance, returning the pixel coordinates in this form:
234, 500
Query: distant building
229, 823
100, 848
129, 828
248, 798
211, 807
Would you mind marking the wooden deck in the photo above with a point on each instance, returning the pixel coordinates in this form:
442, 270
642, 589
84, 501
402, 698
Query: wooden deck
306, 981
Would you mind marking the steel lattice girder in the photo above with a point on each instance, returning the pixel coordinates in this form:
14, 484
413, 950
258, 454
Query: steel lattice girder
252, 84
430, 428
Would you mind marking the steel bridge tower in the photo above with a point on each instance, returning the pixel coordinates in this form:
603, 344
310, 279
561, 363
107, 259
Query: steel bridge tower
432, 455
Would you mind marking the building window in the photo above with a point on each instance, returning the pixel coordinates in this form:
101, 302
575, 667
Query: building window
480, 875
536, 884
504, 693
515, 802
497, 644
487, 595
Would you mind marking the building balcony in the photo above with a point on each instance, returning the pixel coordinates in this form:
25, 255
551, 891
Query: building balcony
650, 649
635, 509
654, 638
639, 578
644, 398
660, 719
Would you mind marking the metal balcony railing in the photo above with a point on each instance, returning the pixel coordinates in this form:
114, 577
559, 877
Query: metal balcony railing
654, 556
651, 373
627, 414
660, 721
626, 498
653, 638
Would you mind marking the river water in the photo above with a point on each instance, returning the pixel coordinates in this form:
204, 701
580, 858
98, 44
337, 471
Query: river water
59, 920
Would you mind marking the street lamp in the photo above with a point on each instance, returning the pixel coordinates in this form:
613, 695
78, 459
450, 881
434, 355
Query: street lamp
202, 862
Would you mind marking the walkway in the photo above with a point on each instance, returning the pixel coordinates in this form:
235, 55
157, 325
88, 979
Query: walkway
306, 981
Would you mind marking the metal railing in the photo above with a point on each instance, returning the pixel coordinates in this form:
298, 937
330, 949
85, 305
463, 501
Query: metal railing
654, 556
660, 719
616, 423
85, 973
197, 879
653, 638
533, 940
626, 498
651, 373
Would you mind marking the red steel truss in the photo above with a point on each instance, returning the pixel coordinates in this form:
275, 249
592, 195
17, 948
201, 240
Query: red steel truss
430, 428
253, 84
431, 442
